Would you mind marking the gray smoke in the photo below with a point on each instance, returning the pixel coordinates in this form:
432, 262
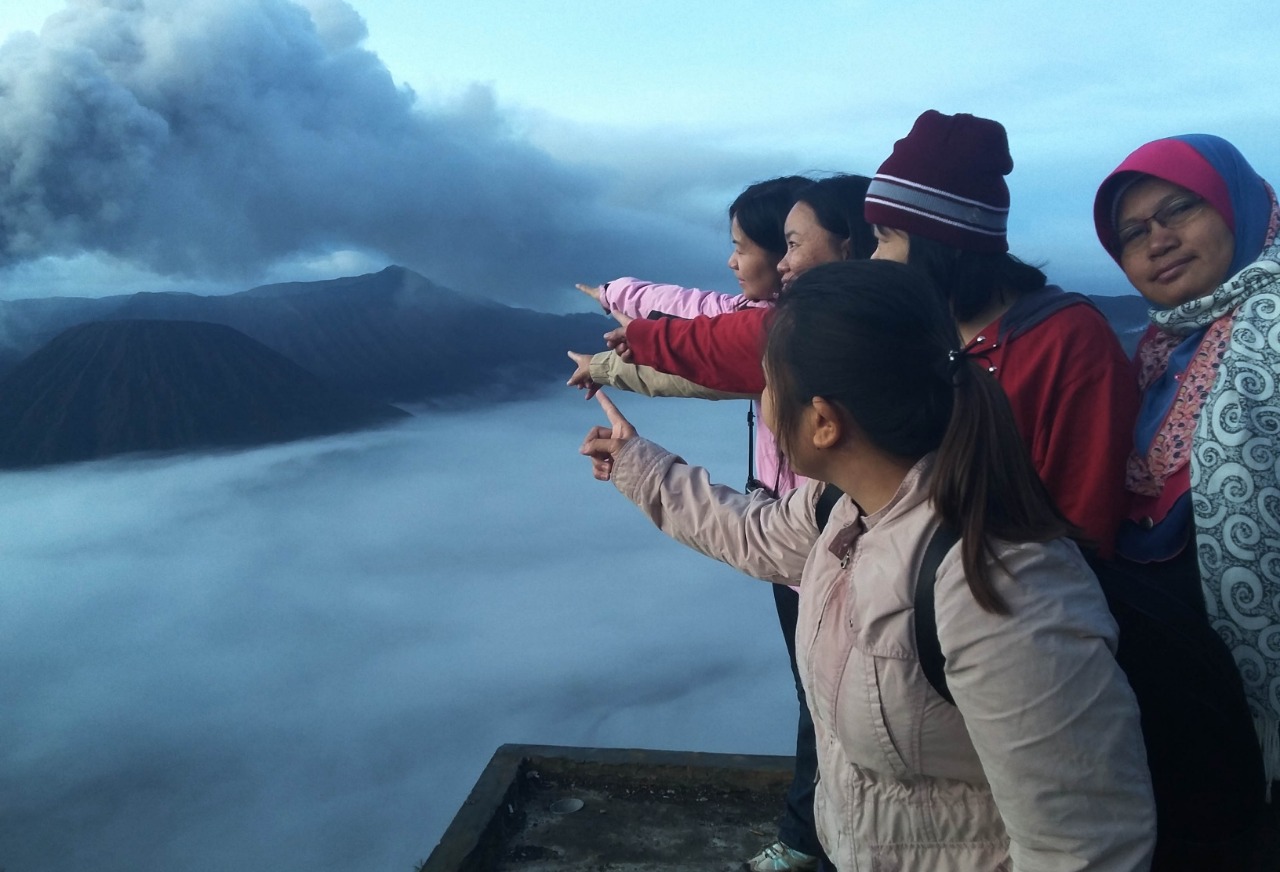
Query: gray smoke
210, 139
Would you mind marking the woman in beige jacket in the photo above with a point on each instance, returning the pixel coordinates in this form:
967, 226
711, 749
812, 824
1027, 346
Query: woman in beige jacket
1039, 765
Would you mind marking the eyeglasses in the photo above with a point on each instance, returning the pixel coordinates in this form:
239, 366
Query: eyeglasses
1175, 213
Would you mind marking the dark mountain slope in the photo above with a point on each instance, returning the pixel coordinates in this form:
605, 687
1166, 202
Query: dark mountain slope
391, 335
109, 388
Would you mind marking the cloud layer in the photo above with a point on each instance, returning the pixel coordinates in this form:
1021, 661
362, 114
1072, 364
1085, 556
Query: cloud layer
302, 657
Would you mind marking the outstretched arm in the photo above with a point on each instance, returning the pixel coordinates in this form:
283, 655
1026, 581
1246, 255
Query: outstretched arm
767, 538
640, 299
608, 369
721, 353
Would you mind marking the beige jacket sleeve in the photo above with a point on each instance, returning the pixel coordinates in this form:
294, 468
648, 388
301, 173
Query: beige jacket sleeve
766, 538
1046, 707
607, 368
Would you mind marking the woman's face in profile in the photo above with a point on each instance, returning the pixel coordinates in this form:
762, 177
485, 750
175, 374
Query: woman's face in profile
755, 268
1174, 246
809, 244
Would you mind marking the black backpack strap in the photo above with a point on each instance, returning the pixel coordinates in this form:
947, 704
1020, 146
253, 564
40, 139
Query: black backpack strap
928, 647
926, 619
826, 502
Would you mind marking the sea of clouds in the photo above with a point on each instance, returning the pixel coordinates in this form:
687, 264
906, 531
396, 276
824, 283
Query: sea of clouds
302, 656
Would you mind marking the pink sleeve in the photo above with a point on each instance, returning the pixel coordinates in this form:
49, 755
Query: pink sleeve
637, 299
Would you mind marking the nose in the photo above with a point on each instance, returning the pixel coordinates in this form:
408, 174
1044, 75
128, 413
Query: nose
733, 261
784, 265
1160, 238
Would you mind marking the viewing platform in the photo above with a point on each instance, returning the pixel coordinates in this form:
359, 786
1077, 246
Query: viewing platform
539, 808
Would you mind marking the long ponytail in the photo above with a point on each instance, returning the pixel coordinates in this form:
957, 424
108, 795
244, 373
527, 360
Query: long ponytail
984, 483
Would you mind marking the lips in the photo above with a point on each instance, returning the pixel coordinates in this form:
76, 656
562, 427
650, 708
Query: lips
1171, 272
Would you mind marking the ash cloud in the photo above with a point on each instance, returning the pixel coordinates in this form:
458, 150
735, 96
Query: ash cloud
211, 140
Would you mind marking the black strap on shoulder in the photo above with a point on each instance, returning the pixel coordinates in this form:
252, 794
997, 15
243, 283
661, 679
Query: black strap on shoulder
826, 502
926, 619
928, 647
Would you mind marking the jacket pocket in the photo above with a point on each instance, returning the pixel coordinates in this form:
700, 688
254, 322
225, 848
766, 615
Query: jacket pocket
876, 717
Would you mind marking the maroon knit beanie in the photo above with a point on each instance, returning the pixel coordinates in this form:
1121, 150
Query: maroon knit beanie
945, 182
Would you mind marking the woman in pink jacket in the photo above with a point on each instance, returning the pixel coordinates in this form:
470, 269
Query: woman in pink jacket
1039, 764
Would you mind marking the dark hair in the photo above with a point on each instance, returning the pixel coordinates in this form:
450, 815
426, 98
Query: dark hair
971, 280
837, 202
761, 210
873, 338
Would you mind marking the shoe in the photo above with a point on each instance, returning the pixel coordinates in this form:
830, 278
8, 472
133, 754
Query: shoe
779, 858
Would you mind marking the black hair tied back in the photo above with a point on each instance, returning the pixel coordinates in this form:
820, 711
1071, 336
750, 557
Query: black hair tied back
957, 367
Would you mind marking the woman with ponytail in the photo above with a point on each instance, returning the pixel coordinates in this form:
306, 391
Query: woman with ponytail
1040, 763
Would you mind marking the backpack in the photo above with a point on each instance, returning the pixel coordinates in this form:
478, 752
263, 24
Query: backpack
1205, 761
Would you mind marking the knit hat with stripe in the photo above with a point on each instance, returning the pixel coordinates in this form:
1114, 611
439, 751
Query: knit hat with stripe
945, 182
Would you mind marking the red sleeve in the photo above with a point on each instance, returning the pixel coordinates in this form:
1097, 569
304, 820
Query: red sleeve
720, 352
1075, 399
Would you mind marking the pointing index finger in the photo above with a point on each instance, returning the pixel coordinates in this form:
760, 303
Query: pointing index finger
615, 417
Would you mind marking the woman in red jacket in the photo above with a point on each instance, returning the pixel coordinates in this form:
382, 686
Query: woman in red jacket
940, 203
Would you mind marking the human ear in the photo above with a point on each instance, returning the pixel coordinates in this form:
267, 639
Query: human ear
828, 425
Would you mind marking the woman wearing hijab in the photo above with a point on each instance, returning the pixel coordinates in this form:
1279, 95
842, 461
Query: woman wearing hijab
1193, 226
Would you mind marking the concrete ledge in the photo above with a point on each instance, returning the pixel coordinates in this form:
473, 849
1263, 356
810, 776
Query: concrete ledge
623, 784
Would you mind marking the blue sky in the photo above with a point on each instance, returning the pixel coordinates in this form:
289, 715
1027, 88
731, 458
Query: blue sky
512, 148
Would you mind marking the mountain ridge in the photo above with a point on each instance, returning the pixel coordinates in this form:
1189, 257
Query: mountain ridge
90, 377
106, 388
392, 335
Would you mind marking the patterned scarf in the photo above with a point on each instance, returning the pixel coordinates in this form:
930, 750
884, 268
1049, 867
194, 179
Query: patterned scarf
1225, 420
